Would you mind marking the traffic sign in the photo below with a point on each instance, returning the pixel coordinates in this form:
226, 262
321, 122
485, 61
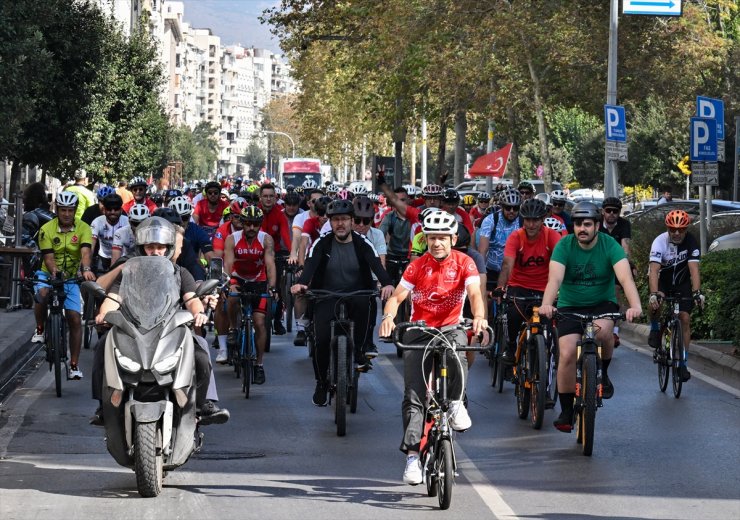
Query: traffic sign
616, 151
710, 108
655, 7
706, 174
615, 123
703, 139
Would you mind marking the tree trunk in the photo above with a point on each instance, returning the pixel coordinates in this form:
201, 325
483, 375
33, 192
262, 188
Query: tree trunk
441, 170
542, 127
513, 167
461, 127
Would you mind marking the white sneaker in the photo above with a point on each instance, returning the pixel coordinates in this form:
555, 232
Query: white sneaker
74, 373
222, 356
412, 474
459, 418
38, 338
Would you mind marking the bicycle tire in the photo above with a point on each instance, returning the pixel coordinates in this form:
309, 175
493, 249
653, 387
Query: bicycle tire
87, 322
340, 400
552, 368
430, 472
539, 382
493, 360
55, 332
268, 324
446, 474
588, 413
353, 391
247, 372
523, 394
288, 300
677, 357
248, 359
504, 335
662, 359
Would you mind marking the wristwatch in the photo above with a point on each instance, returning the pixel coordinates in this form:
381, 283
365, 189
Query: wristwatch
86, 269
391, 316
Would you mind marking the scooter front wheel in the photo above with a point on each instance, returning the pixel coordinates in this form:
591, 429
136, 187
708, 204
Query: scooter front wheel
148, 463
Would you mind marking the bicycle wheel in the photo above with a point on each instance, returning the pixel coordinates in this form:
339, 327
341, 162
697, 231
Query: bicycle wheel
249, 359
538, 378
662, 356
88, 321
353, 391
493, 359
288, 301
269, 314
588, 413
677, 358
445, 473
523, 394
503, 333
430, 471
54, 342
552, 370
340, 401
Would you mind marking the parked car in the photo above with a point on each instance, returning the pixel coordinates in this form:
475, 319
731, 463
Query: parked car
477, 185
731, 241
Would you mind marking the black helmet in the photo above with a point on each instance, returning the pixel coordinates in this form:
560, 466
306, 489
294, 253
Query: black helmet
363, 206
533, 208
212, 185
451, 196
169, 214
526, 185
340, 207
612, 202
251, 214
113, 200
585, 210
156, 230
320, 205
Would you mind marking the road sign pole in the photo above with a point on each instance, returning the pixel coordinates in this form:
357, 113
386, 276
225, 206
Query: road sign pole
702, 219
710, 196
489, 149
610, 166
736, 171
423, 151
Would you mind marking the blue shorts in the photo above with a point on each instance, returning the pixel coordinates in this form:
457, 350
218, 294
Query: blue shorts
72, 301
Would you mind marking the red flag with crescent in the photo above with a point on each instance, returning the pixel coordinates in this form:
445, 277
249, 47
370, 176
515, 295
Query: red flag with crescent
492, 164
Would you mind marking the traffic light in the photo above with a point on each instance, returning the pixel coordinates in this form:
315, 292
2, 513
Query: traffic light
684, 165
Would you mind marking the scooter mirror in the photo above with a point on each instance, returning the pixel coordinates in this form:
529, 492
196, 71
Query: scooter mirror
93, 288
206, 287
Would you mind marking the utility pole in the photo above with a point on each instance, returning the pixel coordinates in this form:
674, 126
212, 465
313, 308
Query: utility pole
489, 149
424, 151
736, 171
610, 166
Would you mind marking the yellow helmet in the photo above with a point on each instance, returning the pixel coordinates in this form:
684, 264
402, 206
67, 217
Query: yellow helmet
468, 200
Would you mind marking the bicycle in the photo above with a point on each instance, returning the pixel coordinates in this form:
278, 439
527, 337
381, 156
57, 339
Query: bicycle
671, 354
287, 281
589, 389
436, 451
88, 320
500, 339
344, 378
243, 355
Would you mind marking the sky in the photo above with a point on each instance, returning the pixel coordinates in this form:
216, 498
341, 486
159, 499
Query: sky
235, 21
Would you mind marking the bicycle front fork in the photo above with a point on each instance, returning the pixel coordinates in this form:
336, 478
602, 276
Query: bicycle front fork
580, 355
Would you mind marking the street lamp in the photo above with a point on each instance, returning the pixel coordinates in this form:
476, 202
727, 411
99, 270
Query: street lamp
279, 133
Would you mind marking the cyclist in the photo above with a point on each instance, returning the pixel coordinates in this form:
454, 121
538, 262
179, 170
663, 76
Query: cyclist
65, 245
250, 254
292, 208
438, 282
138, 187
85, 197
468, 201
198, 239
341, 260
526, 190
104, 229
478, 211
208, 211
451, 204
558, 198
674, 269
96, 210
495, 230
397, 229
124, 238
581, 276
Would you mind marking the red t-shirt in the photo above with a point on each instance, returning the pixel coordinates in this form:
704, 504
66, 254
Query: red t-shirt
531, 258
476, 214
249, 257
438, 289
147, 201
463, 218
221, 234
208, 218
276, 225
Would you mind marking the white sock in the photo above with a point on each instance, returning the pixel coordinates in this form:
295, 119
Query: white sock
616, 331
222, 342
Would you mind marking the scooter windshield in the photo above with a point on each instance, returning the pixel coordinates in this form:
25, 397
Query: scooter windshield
149, 289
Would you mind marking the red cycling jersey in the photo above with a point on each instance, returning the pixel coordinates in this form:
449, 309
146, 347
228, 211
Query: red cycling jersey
438, 289
531, 258
221, 234
208, 218
275, 224
249, 257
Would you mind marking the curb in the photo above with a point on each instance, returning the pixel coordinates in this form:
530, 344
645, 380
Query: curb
15, 351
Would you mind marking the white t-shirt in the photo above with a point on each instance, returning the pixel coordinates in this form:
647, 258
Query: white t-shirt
104, 233
300, 219
123, 240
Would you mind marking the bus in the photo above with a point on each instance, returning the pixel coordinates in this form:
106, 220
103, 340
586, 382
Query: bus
296, 171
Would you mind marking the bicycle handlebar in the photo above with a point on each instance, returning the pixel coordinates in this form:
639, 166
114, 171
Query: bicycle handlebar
467, 325
320, 294
591, 317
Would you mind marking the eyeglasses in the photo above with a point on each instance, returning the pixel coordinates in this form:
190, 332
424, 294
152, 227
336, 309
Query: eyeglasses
364, 220
558, 204
138, 188
611, 210
213, 192
250, 223
510, 208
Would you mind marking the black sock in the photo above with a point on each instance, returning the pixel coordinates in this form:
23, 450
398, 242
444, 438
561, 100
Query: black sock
566, 402
605, 367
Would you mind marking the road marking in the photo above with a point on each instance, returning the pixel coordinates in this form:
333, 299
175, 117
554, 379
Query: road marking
489, 493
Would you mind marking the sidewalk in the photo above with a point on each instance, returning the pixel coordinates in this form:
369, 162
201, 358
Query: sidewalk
16, 329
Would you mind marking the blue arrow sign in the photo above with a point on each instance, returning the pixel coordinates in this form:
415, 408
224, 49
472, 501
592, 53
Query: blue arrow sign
654, 7
709, 108
703, 140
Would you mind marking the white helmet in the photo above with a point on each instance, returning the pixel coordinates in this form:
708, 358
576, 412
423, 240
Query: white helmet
182, 206
553, 223
410, 189
558, 196
427, 211
139, 212
331, 188
544, 197
360, 189
439, 222
66, 199
309, 184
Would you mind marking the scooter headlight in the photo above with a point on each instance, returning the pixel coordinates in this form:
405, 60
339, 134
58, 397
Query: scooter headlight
168, 363
126, 363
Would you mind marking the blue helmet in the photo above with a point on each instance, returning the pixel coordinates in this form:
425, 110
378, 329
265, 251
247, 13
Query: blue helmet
104, 191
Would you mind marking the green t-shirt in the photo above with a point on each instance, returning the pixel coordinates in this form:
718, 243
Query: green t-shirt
65, 246
589, 274
419, 244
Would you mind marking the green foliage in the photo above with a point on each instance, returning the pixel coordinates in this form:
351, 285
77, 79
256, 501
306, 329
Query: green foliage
197, 149
721, 286
256, 159
581, 135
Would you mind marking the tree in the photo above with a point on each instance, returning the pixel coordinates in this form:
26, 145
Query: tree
256, 159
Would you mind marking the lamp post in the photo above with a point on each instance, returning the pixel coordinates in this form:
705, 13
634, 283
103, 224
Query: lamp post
279, 133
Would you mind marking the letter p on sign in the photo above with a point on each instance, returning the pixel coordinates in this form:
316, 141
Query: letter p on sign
703, 139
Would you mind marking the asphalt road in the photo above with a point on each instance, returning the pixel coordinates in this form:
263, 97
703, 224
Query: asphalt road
279, 456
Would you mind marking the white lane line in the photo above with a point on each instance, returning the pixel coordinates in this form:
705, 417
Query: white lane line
489, 493
25, 398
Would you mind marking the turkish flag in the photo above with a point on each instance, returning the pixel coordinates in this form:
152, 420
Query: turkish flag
493, 164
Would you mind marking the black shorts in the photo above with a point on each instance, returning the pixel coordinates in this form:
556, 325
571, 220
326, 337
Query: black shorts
491, 278
568, 326
683, 291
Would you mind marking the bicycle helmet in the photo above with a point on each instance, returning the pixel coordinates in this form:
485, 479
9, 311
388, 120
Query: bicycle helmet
373, 197
439, 223
138, 213
298, 190
156, 230
586, 210
360, 189
289, 188
104, 191
677, 218
344, 194
320, 205
544, 197
251, 214
363, 206
558, 196
451, 196
113, 200
526, 185
157, 198
137, 182
212, 185
612, 202
533, 208
484, 196
309, 184
331, 188
171, 194
463, 238
553, 223
340, 207
292, 199
468, 200
510, 198
182, 206
169, 214
431, 191
426, 212
66, 199
237, 206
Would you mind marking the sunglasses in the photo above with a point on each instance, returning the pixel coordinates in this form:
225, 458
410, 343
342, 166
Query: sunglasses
676, 230
525, 192
611, 210
251, 223
116, 208
559, 204
138, 188
364, 220
510, 208
213, 192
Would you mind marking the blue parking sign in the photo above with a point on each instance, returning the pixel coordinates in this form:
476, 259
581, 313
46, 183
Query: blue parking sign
710, 108
703, 139
615, 123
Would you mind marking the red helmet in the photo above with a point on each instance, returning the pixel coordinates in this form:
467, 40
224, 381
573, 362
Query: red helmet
677, 218
237, 206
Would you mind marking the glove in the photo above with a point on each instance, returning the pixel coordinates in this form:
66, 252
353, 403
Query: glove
699, 298
498, 292
655, 298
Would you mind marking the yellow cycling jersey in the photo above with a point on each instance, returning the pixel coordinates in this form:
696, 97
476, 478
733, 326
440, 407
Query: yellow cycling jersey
419, 244
66, 246
85, 197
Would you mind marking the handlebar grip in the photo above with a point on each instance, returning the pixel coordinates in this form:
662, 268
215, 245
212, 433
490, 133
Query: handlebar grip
403, 327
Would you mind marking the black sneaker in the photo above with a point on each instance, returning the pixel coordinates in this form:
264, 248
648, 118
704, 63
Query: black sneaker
300, 338
507, 358
564, 422
278, 328
607, 388
371, 351
685, 374
259, 375
654, 338
231, 338
210, 413
320, 396
97, 417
